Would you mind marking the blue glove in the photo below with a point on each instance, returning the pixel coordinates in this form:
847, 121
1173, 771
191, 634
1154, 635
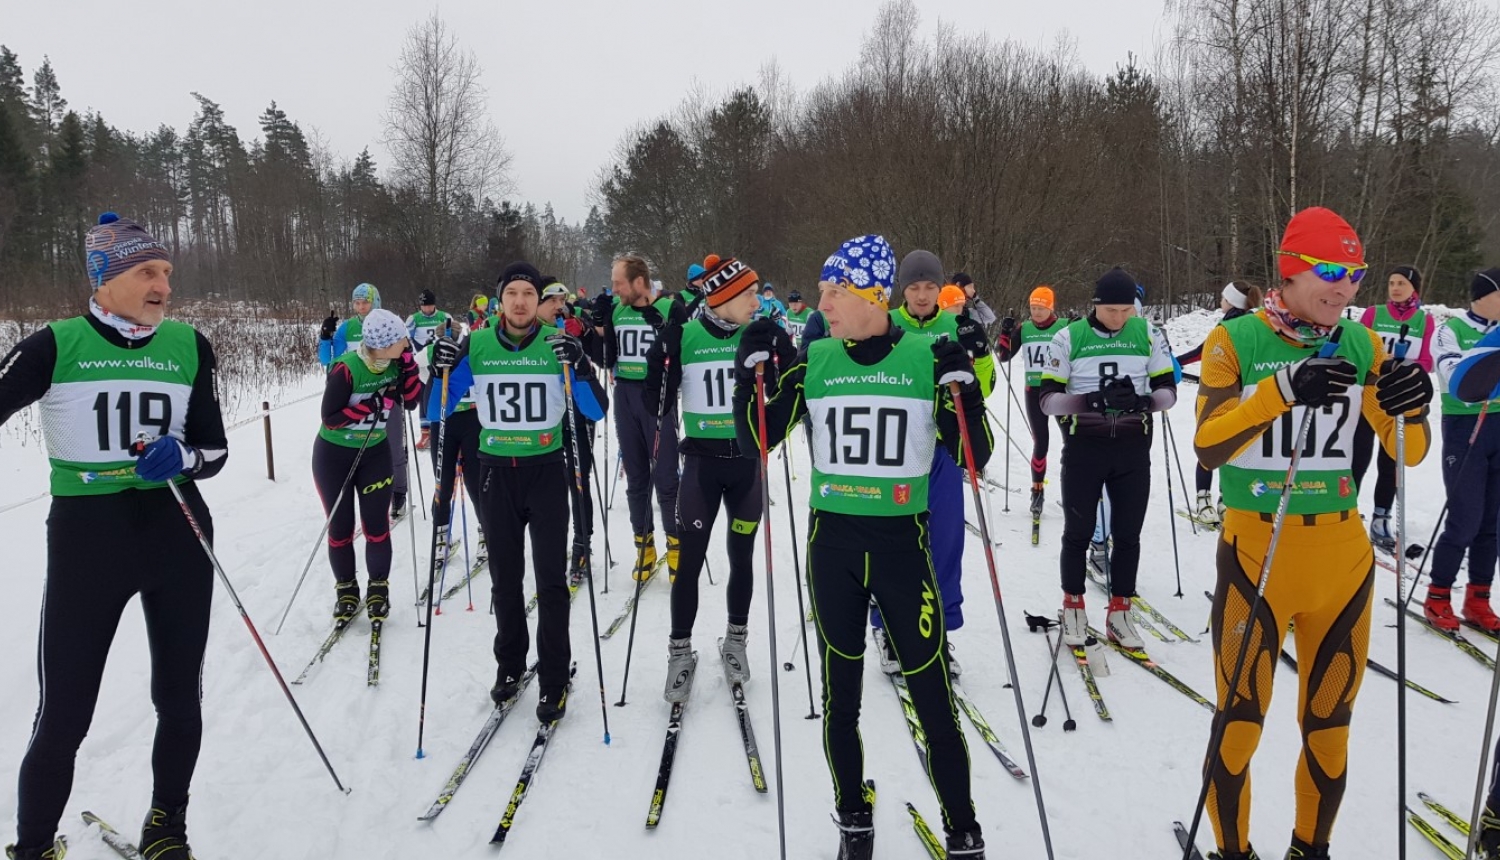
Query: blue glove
165, 459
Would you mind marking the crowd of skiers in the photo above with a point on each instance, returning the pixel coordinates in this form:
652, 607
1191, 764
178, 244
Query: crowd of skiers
887, 372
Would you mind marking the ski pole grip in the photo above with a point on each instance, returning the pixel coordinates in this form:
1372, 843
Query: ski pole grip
1402, 344
1332, 345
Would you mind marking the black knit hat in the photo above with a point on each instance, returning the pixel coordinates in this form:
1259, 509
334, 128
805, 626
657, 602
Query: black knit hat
427, 298
1411, 274
520, 271
1484, 283
1115, 287
961, 279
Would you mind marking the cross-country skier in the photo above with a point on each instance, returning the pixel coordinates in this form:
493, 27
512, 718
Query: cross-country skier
114, 529
1261, 375
346, 339
360, 395
1404, 308
877, 399
976, 307
920, 280
1471, 475
555, 310
1105, 375
1476, 380
1237, 299
797, 313
514, 368
1034, 344
697, 359
424, 327
648, 443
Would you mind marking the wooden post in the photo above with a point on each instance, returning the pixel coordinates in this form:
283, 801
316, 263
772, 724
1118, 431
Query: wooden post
265, 418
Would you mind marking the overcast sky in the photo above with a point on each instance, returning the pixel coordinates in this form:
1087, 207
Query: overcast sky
566, 78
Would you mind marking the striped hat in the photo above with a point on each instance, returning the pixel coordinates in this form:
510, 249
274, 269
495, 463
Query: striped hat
724, 279
116, 244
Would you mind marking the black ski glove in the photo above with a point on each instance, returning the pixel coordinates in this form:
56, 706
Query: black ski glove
604, 305
1315, 381
653, 317
972, 338
759, 342
444, 354
1117, 395
566, 347
1007, 325
1403, 386
952, 365
330, 325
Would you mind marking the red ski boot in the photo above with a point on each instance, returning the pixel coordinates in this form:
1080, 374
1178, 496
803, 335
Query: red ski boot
1439, 609
1477, 609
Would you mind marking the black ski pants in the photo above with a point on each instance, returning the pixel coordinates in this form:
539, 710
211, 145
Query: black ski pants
706, 482
460, 442
371, 486
1385, 465
904, 588
1472, 477
1041, 433
1090, 465
636, 430
88, 586
521, 499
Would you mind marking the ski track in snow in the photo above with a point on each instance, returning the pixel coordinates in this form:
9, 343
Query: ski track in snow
261, 792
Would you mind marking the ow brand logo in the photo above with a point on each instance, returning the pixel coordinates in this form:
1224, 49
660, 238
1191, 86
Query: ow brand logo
924, 624
377, 485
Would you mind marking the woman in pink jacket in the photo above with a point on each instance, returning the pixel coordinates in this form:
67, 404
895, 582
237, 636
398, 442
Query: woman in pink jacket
1403, 308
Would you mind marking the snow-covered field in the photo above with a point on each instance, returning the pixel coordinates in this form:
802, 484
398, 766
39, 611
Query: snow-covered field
1111, 789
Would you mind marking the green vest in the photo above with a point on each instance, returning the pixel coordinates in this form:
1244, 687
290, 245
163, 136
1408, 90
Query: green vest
1467, 336
1035, 347
939, 326
873, 429
1389, 329
796, 322
366, 383
519, 395
634, 337
103, 396
1253, 480
424, 328
354, 332
708, 381
1095, 359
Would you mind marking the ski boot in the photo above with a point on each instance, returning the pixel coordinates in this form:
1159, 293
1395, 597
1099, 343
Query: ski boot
736, 661
347, 603
856, 834
1489, 835
889, 662
552, 705
966, 845
674, 549
398, 506
507, 686
1036, 499
378, 599
954, 668
1075, 621
579, 568
426, 439
1302, 851
680, 668
440, 547
1098, 554
1233, 855
164, 833
1477, 609
1118, 626
1207, 512
484, 546
645, 557
1438, 607
55, 851
1380, 531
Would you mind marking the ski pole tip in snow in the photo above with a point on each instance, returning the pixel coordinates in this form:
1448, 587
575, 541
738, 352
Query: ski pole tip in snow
420, 754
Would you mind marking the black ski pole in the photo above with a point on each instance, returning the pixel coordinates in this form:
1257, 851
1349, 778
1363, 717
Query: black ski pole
1010, 653
1166, 452
433, 562
1041, 717
234, 596
578, 491
411, 522
640, 583
765, 498
411, 438
1220, 723
1443, 514
791, 519
1181, 478
1401, 347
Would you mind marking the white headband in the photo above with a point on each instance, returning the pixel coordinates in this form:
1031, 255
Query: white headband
1233, 295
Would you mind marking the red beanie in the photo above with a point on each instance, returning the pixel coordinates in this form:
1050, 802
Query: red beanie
1321, 233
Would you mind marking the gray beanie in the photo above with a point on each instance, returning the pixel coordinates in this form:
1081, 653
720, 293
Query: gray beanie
919, 266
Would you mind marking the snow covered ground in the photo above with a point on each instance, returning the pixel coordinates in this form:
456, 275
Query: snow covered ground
1111, 789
